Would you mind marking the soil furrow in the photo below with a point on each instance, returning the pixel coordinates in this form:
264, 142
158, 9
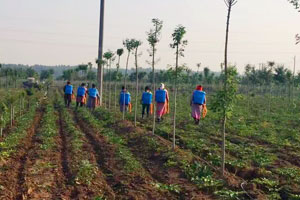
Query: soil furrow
155, 163
81, 167
22, 169
64, 159
13, 172
64, 152
126, 185
43, 177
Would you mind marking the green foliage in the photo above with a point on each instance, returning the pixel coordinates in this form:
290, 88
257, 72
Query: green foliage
202, 176
136, 43
120, 52
262, 159
154, 33
267, 74
99, 198
48, 129
267, 184
17, 73
103, 114
171, 159
70, 127
293, 174
129, 44
86, 172
68, 74
294, 197
165, 187
91, 76
229, 194
141, 76
10, 143
295, 3
182, 75
108, 55
82, 68
282, 75
4, 112
178, 42
47, 74
30, 91
223, 100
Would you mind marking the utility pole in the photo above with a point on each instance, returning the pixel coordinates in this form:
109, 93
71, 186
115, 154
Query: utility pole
100, 51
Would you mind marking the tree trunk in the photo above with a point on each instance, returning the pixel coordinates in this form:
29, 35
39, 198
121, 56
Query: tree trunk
137, 86
115, 96
270, 98
293, 86
104, 89
125, 77
223, 143
225, 91
100, 51
11, 115
175, 99
20, 111
109, 98
153, 88
116, 83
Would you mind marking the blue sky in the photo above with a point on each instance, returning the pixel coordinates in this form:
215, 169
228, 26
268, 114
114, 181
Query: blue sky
53, 32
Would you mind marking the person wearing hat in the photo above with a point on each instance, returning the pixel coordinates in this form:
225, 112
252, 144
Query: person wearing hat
162, 102
198, 101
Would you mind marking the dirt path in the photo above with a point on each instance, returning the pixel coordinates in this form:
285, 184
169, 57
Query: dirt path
12, 176
129, 185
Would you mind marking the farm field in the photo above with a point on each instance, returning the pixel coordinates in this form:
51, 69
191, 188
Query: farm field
262, 144
57, 153
204, 104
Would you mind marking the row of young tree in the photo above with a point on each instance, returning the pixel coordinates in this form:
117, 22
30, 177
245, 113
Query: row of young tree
223, 100
224, 97
268, 74
265, 74
81, 72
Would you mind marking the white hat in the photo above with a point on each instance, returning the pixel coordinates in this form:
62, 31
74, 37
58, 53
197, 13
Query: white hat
162, 86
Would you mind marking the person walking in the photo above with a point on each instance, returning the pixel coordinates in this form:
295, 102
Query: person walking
68, 90
81, 95
94, 97
198, 102
146, 101
162, 102
125, 100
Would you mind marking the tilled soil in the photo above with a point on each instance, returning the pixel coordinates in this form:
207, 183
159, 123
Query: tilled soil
98, 186
126, 185
154, 162
12, 176
233, 176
